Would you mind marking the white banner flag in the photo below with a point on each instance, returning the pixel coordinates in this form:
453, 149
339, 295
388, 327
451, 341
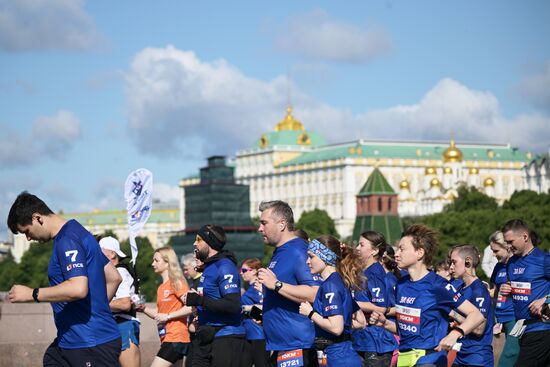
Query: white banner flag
138, 192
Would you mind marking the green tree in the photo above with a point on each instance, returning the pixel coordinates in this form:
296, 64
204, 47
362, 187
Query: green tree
9, 273
470, 198
317, 222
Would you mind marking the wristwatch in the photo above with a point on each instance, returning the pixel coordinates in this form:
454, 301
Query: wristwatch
278, 286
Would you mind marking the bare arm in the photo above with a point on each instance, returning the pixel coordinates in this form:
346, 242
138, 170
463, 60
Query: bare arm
460, 319
378, 319
370, 307
121, 304
299, 293
358, 320
72, 289
112, 280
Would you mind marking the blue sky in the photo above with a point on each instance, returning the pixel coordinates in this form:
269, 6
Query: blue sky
90, 91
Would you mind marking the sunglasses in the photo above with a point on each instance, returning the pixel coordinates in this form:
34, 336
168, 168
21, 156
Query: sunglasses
244, 270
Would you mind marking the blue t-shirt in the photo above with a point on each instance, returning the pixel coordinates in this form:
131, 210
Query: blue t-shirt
504, 306
284, 327
87, 322
334, 298
530, 280
219, 279
423, 308
477, 350
375, 338
252, 296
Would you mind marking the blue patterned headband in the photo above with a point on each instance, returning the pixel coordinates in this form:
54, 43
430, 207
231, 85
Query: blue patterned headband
323, 252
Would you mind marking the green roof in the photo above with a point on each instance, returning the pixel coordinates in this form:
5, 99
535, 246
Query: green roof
408, 150
389, 225
120, 217
290, 137
376, 185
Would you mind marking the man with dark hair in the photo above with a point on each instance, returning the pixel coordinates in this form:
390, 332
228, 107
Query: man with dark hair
219, 340
82, 281
289, 282
529, 275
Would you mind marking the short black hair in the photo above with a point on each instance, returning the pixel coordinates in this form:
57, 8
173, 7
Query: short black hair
22, 209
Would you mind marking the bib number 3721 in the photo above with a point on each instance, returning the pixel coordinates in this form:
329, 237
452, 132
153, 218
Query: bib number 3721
291, 358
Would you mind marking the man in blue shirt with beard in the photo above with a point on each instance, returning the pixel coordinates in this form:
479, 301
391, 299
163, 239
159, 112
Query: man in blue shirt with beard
288, 282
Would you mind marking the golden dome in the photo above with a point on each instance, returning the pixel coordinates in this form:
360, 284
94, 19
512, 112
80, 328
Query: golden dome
289, 122
430, 171
489, 182
447, 170
404, 185
452, 153
435, 182
474, 171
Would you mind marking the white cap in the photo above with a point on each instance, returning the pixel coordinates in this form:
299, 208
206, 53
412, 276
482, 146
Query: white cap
111, 243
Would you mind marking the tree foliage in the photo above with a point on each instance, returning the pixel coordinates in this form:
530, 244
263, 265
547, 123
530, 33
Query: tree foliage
316, 223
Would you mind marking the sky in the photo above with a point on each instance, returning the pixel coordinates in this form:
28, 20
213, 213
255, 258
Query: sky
92, 90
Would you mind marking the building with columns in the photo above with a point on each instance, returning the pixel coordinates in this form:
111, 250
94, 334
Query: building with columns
296, 165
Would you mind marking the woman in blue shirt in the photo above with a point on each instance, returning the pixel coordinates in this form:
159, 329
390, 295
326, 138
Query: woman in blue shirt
504, 306
423, 303
375, 343
334, 312
475, 348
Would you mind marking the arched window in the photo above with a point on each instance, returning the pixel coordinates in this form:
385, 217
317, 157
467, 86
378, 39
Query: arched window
380, 204
389, 204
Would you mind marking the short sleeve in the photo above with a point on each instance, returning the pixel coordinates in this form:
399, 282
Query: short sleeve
331, 300
229, 281
482, 301
72, 258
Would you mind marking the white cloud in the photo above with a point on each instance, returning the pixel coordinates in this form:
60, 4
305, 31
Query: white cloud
46, 24
180, 106
51, 137
535, 88
316, 36
166, 193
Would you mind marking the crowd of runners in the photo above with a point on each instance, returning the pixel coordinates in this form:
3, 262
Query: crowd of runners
318, 302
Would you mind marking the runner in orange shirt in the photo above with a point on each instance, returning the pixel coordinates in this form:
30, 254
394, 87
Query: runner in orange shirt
171, 311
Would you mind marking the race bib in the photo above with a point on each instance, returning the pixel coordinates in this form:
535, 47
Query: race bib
408, 318
290, 358
523, 288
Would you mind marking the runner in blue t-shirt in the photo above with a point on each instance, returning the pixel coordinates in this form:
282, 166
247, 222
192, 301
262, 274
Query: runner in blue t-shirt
334, 311
251, 302
423, 303
82, 282
219, 340
375, 343
287, 282
504, 306
529, 284
474, 349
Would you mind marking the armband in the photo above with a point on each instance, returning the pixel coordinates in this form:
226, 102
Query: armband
311, 314
193, 299
35, 295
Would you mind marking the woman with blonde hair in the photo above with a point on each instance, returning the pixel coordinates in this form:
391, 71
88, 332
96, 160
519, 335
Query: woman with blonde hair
171, 311
504, 307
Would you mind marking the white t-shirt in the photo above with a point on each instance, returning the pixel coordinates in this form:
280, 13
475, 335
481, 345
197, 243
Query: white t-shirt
125, 289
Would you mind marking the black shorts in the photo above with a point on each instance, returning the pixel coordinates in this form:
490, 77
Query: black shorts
172, 352
534, 349
103, 355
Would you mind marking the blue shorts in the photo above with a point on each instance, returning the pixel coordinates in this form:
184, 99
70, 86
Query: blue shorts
129, 331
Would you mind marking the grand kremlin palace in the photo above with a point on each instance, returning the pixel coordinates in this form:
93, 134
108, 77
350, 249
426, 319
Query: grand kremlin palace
297, 166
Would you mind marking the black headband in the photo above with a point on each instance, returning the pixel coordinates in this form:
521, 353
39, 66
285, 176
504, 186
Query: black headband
210, 238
